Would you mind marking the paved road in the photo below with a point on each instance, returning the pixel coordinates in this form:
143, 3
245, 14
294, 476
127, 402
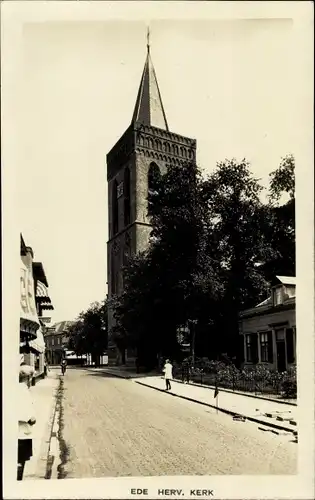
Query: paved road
115, 427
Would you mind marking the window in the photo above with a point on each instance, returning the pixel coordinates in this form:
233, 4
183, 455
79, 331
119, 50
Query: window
154, 176
127, 206
266, 347
251, 348
114, 207
52, 341
248, 348
280, 335
290, 345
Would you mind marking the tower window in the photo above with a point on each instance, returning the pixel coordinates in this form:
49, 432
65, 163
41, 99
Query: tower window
154, 176
115, 207
127, 204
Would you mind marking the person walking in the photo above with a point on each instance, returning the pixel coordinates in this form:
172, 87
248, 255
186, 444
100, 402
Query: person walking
168, 374
63, 365
26, 420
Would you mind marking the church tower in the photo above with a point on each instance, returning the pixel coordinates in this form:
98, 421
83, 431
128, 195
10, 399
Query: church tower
146, 149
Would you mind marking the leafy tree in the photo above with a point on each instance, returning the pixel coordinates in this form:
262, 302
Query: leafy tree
89, 334
282, 180
238, 227
157, 297
281, 219
208, 237
76, 339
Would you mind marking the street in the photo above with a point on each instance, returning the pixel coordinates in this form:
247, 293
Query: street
115, 427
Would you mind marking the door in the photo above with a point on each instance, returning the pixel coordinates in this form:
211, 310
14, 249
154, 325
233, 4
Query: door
281, 358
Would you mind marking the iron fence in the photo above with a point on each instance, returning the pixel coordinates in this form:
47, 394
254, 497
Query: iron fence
256, 381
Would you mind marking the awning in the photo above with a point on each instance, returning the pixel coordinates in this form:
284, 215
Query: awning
26, 348
39, 343
28, 311
42, 291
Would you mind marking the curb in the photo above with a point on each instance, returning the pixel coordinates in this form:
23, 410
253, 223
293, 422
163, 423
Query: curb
222, 410
50, 458
238, 393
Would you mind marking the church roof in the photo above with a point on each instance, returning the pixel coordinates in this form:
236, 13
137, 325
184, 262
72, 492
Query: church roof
149, 108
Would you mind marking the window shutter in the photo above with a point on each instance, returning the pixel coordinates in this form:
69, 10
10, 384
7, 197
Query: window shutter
290, 350
254, 348
270, 348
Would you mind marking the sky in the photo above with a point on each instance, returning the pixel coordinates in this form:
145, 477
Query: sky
229, 84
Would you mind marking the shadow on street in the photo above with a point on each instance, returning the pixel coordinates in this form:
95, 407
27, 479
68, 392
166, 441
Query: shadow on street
126, 376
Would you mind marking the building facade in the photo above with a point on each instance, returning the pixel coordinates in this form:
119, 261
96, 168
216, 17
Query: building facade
29, 322
56, 340
269, 329
146, 150
34, 301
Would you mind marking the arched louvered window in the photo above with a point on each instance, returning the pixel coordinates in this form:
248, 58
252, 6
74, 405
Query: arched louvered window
115, 207
127, 204
154, 176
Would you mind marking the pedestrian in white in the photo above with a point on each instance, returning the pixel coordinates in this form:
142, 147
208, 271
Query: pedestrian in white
168, 374
26, 420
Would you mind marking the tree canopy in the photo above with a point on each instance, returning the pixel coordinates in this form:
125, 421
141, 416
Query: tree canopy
89, 333
214, 246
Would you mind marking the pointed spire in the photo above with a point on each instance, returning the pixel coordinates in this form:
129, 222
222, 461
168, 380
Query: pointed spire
149, 108
148, 40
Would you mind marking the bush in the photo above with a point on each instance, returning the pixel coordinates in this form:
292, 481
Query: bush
289, 389
288, 384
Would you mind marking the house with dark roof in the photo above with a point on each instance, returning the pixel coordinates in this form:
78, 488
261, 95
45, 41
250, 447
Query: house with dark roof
269, 329
56, 340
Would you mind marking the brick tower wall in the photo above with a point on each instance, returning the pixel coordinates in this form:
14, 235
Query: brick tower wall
137, 149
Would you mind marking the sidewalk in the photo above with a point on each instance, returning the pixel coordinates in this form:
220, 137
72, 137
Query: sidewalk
43, 394
280, 416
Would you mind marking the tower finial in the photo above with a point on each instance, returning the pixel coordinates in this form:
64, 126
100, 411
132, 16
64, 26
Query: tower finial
149, 110
148, 39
